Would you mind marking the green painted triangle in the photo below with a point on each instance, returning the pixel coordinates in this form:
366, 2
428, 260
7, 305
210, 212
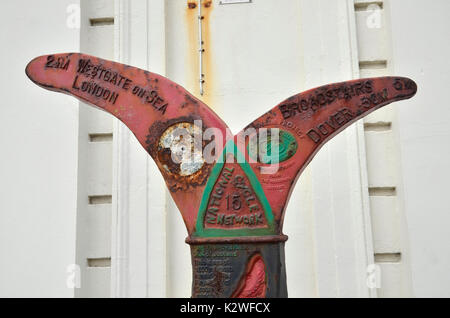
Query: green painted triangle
201, 231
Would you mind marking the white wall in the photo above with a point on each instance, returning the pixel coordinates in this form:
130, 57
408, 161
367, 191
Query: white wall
38, 165
420, 31
249, 68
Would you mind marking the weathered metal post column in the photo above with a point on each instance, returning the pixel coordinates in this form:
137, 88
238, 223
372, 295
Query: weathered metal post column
232, 191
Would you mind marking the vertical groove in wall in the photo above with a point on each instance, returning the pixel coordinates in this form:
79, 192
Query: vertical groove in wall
94, 202
373, 37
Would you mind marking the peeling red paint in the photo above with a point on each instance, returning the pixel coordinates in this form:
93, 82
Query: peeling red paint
253, 283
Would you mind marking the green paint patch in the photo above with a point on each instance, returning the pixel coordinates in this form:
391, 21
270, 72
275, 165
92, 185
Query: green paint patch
272, 151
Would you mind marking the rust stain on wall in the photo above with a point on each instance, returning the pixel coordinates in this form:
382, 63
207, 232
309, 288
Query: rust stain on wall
192, 4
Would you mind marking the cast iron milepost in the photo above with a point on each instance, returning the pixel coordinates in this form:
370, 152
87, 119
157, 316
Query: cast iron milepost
232, 191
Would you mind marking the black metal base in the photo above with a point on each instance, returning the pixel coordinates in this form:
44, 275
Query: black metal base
220, 269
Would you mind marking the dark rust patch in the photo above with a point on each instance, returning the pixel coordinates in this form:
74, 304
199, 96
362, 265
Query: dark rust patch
190, 99
163, 157
176, 182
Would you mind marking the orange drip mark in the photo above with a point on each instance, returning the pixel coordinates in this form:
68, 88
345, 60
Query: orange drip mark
253, 283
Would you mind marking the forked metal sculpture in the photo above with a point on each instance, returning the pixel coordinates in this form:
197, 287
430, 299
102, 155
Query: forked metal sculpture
233, 204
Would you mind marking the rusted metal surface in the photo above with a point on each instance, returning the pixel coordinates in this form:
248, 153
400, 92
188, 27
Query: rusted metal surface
233, 204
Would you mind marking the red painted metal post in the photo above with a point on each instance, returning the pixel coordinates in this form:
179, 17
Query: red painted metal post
232, 191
